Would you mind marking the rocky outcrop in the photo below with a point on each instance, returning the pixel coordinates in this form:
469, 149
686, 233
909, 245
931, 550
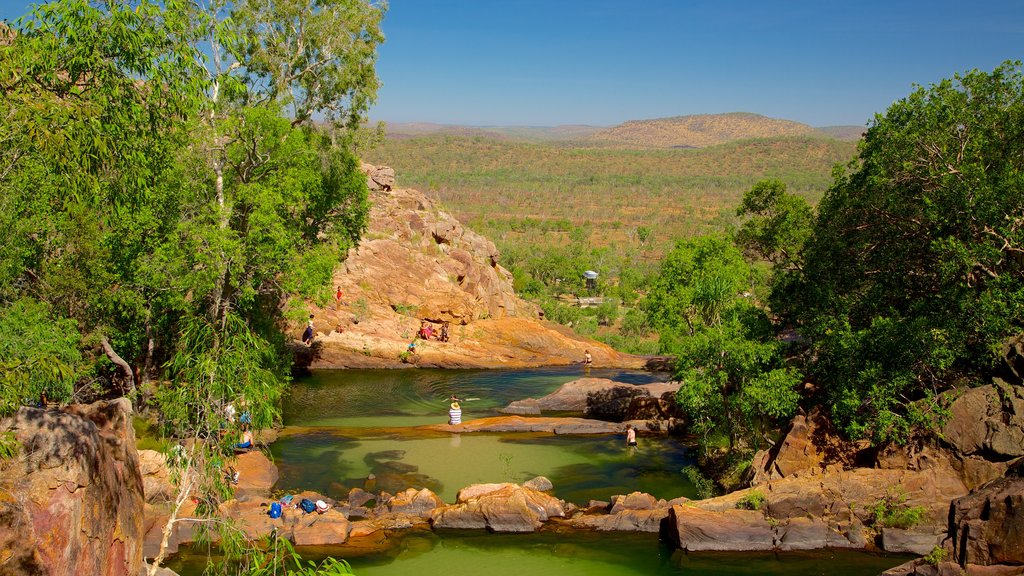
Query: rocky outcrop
499, 507
987, 526
417, 263
985, 430
636, 512
605, 399
809, 446
72, 501
831, 509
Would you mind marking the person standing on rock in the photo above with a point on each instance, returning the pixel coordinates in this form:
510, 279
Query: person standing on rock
307, 334
455, 414
337, 299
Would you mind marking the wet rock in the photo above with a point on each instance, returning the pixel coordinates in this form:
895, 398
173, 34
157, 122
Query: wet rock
72, 501
540, 484
521, 424
623, 521
596, 396
358, 497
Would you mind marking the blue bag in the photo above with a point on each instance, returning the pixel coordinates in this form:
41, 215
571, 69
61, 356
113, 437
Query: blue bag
275, 510
307, 505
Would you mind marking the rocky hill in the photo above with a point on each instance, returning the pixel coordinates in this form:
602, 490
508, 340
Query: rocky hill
416, 263
699, 131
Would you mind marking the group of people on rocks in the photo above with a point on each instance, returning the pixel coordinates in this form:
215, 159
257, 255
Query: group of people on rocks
427, 332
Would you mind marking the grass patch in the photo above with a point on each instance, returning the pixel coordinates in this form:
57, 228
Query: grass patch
753, 500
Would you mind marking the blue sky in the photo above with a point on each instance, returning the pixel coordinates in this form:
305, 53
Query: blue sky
602, 62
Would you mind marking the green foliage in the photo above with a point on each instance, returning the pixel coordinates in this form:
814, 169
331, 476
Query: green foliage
40, 353
913, 277
892, 511
778, 225
731, 367
704, 485
165, 190
9, 446
937, 556
752, 500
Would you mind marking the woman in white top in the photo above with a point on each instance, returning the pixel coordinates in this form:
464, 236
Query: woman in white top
455, 414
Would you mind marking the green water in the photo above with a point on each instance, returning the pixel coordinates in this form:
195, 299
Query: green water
582, 553
342, 426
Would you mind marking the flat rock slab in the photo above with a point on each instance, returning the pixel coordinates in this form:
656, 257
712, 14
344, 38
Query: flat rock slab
521, 424
576, 395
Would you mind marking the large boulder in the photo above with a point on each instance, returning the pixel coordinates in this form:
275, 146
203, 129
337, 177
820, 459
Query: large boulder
72, 501
809, 445
499, 507
985, 430
987, 525
694, 529
256, 474
156, 478
602, 398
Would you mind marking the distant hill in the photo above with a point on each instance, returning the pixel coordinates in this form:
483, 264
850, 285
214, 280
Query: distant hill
847, 133
567, 132
699, 131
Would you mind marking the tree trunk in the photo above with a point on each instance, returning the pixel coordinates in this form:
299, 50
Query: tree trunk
125, 368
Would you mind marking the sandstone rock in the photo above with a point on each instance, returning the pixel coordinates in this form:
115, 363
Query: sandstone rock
415, 502
72, 501
540, 484
330, 527
623, 521
693, 529
253, 520
596, 396
509, 508
987, 525
521, 424
256, 474
358, 497
914, 541
633, 501
987, 421
802, 533
156, 481
417, 262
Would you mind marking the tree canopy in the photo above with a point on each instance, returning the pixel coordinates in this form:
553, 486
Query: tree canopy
914, 274
176, 179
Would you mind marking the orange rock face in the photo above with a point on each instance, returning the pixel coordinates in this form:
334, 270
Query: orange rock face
417, 263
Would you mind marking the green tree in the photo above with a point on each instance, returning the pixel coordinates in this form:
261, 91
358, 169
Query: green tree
778, 224
733, 376
914, 275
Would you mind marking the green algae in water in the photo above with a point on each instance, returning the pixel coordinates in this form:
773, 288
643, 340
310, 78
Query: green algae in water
582, 553
581, 468
396, 398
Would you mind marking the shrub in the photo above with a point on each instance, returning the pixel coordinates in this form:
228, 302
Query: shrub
892, 511
704, 485
753, 500
936, 556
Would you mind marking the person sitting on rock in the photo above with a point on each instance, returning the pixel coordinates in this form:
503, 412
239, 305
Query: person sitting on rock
444, 332
246, 443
